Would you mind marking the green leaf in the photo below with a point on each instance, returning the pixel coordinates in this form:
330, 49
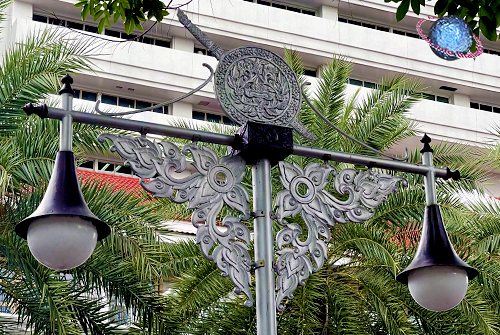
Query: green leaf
402, 10
473, 47
125, 4
100, 26
441, 7
462, 12
452, 8
85, 12
92, 7
488, 29
486, 12
129, 26
98, 14
415, 6
116, 16
81, 3
497, 19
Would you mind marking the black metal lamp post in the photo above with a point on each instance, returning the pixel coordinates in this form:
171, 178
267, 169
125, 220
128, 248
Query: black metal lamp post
267, 116
437, 278
62, 232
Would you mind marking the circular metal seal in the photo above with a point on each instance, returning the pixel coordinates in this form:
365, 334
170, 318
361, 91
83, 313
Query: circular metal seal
255, 84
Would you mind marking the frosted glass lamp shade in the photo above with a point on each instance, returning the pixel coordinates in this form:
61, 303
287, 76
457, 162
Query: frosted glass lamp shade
62, 231
437, 278
438, 288
61, 242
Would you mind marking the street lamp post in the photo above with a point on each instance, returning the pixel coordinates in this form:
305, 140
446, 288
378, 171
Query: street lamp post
264, 140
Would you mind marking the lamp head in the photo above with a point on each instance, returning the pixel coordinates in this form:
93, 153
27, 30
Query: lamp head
62, 232
437, 277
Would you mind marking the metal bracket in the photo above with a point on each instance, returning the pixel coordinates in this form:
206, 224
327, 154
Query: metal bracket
258, 264
257, 214
144, 131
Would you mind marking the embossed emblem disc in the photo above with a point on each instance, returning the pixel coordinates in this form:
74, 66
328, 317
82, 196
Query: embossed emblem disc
255, 84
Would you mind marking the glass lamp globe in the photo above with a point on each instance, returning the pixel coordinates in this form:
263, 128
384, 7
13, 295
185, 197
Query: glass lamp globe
438, 288
61, 242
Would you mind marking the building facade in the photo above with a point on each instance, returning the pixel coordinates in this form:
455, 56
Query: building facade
463, 103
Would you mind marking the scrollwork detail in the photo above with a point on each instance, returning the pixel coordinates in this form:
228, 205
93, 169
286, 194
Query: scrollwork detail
305, 194
216, 182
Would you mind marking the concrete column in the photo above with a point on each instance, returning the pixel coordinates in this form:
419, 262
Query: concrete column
17, 10
22, 10
329, 12
182, 109
184, 44
460, 100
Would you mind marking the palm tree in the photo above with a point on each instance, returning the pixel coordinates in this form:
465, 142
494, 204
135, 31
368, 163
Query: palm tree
356, 293
124, 267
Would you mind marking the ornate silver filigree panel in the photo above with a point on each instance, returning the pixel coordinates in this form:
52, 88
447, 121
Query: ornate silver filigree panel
305, 194
216, 182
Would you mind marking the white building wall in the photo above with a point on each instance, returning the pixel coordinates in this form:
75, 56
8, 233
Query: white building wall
152, 73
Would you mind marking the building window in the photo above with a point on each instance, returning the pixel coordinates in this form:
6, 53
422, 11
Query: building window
443, 99
109, 99
122, 316
365, 24
108, 32
119, 101
3, 307
357, 82
378, 27
106, 167
198, 49
435, 98
85, 95
210, 117
87, 165
485, 107
125, 102
310, 73
142, 104
284, 6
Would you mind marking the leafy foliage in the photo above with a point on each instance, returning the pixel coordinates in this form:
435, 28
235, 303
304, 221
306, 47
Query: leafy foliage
482, 16
124, 267
132, 12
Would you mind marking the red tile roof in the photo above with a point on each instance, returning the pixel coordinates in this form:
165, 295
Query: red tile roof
116, 182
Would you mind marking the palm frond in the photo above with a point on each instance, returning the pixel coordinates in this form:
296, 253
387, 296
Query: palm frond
32, 69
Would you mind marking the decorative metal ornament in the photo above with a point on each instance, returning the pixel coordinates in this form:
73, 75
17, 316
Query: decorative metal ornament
450, 38
253, 84
305, 194
216, 182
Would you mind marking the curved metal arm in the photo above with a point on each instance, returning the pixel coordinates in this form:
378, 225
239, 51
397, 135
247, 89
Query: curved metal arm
96, 107
364, 145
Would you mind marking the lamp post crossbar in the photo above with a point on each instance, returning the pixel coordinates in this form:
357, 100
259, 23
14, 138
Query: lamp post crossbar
217, 183
144, 128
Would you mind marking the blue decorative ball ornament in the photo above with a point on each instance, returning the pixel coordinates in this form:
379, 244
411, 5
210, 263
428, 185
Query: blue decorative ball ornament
449, 35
